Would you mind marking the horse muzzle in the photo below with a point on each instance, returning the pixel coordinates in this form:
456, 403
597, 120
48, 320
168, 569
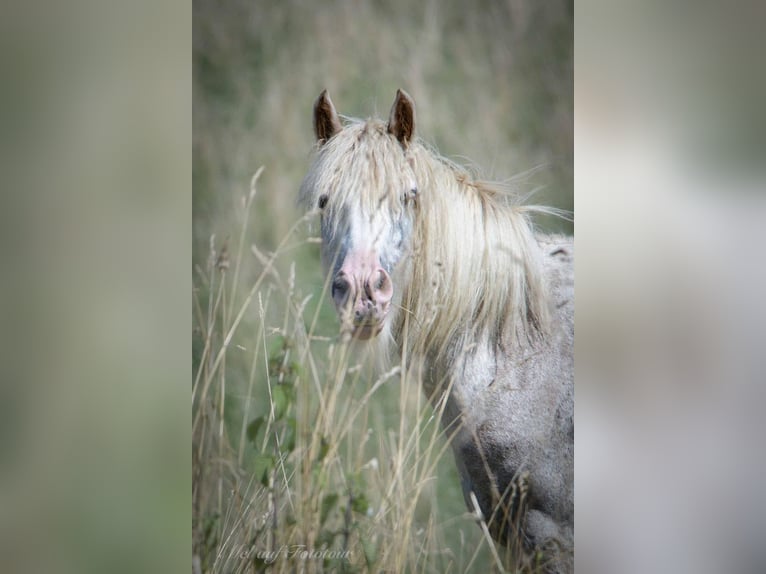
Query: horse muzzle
363, 299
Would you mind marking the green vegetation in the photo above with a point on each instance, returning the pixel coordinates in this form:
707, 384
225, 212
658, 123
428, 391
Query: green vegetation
300, 444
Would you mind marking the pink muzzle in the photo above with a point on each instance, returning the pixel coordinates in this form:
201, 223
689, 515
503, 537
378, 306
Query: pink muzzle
362, 291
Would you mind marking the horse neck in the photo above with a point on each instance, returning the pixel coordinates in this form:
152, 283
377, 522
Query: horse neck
473, 278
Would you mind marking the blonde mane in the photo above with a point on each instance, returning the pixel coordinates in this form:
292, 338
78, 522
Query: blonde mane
474, 269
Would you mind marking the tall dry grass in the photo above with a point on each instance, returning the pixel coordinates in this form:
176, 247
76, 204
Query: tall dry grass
299, 463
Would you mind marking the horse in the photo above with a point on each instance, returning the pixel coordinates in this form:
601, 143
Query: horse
446, 272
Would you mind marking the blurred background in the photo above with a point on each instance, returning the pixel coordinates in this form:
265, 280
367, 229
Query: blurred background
671, 172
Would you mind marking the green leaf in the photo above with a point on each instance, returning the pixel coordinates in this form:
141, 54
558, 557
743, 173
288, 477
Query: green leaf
328, 502
281, 401
296, 368
277, 345
360, 504
264, 464
288, 440
254, 427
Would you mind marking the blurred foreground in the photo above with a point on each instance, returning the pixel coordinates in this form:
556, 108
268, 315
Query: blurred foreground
670, 365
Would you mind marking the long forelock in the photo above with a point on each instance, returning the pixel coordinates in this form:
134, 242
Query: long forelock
360, 166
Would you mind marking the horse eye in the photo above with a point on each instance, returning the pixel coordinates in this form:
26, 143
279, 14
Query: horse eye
322, 201
409, 195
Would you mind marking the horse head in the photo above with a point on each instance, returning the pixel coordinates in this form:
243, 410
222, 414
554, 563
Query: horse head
364, 187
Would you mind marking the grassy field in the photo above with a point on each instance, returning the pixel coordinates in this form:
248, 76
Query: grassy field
304, 455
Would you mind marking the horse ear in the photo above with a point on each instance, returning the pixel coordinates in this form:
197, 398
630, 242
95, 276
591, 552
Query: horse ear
326, 121
401, 122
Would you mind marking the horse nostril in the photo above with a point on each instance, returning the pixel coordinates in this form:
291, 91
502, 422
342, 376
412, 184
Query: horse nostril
383, 289
340, 289
380, 284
